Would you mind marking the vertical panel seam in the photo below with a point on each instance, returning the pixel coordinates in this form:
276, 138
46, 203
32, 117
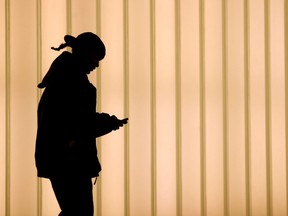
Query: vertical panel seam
225, 109
202, 106
153, 109
39, 74
99, 106
286, 92
178, 106
7, 109
247, 109
69, 17
126, 104
268, 107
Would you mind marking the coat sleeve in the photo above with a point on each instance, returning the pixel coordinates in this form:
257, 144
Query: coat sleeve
103, 124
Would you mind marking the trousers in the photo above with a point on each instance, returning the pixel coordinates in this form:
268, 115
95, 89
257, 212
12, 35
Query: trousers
74, 195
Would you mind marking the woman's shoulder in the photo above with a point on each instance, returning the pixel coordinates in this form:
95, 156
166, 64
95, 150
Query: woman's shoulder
58, 70
64, 58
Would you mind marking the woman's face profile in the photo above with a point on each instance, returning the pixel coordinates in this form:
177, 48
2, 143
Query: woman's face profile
88, 60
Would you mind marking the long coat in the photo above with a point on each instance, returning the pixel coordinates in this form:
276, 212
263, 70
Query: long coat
68, 123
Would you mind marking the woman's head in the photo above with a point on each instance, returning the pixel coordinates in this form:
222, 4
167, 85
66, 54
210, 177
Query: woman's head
87, 47
86, 41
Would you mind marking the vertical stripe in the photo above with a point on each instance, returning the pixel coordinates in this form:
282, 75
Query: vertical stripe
99, 106
39, 75
268, 108
98, 32
247, 109
178, 106
126, 105
153, 109
7, 108
69, 17
225, 109
202, 105
286, 92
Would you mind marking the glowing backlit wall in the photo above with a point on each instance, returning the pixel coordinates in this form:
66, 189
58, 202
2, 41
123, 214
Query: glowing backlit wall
203, 83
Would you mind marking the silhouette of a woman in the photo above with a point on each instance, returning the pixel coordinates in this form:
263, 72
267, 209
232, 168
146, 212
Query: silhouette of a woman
68, 124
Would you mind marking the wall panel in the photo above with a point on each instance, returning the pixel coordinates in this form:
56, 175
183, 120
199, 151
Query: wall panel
277, 108
202, 82
190, 108
165, 108
112, 102
214, 117
139, 109
23, 107
236, 131
2, 108
257, 109
83, 16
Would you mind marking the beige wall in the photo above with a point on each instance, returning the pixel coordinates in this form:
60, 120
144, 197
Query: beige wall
202, 82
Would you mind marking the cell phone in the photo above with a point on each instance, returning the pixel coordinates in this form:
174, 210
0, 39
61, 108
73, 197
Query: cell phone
124, 121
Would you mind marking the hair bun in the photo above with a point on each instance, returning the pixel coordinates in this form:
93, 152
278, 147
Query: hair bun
69, 39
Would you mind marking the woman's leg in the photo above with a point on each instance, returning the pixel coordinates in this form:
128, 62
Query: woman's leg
74, 195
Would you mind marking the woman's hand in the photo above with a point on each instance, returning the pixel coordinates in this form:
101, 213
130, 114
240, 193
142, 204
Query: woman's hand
117, 123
